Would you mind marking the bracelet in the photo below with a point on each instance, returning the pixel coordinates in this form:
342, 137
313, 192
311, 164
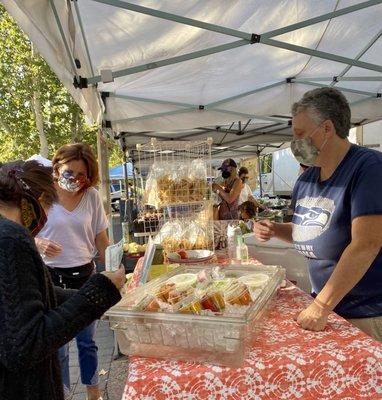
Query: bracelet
322, 305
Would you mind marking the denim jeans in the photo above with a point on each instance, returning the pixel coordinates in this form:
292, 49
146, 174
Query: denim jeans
87, 357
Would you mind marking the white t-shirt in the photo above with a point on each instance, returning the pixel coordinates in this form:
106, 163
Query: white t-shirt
245, 193
75, 230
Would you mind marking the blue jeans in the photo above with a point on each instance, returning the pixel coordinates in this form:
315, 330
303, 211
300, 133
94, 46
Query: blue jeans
87, 357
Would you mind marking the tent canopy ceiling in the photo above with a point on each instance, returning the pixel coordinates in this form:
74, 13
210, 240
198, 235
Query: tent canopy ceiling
226, 69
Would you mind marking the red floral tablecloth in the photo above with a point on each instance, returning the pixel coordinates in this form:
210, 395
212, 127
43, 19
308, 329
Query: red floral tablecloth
284, 362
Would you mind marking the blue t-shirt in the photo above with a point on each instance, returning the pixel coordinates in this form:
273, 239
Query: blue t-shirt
323, 213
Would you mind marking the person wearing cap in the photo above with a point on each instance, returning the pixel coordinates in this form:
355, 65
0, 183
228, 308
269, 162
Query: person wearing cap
37, 318
230, 191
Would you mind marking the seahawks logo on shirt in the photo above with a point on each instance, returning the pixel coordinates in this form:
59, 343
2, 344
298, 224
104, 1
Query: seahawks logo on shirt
311, 219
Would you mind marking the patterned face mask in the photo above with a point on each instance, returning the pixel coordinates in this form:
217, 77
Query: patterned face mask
305, 151
70, 183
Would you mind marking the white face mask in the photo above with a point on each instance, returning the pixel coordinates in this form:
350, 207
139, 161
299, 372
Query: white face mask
305, 151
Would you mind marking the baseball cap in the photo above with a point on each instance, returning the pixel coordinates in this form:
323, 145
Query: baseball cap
228, 163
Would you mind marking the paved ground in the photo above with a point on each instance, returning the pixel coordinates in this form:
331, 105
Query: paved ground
112, 371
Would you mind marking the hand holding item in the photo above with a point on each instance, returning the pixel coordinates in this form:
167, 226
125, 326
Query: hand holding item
314, 317
118, 277
264, 230
48, 247
215, 187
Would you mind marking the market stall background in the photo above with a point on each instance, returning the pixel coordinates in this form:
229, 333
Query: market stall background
229, 70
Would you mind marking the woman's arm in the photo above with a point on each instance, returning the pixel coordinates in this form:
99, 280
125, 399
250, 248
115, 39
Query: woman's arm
256, 203
101, 242
356, 259
234, 192
63, 294
29, 331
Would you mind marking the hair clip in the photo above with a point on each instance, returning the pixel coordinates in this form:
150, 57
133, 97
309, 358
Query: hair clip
15, 173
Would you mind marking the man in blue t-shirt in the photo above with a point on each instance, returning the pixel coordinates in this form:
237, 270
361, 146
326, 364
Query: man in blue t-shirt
337, 215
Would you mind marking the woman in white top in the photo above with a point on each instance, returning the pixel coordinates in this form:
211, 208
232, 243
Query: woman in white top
246, 192
75, 232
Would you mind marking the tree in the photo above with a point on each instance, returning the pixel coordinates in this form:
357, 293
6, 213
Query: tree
37, 114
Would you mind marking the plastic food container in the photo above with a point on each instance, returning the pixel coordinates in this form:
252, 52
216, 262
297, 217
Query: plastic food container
214, 338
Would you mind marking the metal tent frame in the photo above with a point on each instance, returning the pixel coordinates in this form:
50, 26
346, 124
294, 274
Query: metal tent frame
243, 38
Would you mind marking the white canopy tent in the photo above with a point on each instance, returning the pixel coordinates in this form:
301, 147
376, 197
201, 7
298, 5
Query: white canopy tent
198, 68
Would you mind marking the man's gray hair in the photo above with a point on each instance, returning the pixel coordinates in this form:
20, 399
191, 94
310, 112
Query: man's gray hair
323, 104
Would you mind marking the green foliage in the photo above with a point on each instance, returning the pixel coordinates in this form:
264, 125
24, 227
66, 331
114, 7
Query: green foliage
266, 163
63, 119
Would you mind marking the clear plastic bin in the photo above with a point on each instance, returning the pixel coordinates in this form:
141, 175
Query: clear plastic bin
216, 339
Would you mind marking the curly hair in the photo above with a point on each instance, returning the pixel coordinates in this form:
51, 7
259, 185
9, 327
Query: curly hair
26, 177
326, 104
249, 207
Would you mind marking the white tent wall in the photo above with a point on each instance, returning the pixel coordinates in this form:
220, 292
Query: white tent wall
238, 84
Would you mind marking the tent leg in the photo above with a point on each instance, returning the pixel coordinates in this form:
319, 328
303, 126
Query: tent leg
259, 169
135, 185
103, 167
127, 216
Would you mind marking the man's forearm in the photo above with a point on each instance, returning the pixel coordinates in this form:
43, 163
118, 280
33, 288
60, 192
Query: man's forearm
283, 231
351, 267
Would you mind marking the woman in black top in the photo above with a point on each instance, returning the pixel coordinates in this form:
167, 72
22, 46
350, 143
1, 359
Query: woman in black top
36, 318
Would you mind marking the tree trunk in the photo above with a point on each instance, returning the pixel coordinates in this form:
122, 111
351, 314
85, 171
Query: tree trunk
75, 125
37, 109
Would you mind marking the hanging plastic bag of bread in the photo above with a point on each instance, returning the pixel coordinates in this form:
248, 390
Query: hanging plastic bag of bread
198, 178
169, 236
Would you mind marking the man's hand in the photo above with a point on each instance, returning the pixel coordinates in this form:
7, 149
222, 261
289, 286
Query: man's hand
264, 230
48, 247
313, 318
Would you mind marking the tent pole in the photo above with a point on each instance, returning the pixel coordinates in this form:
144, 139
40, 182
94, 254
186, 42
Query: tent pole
146, 100
320, 54
251, 116
360, 54
365, 99
259, 169
169, 61
186, 110
320, 18
177, 18
127, 215
103, 167
173, 112
86, 47
238, 96
135, 185
339, 78
63, 37
342, 89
